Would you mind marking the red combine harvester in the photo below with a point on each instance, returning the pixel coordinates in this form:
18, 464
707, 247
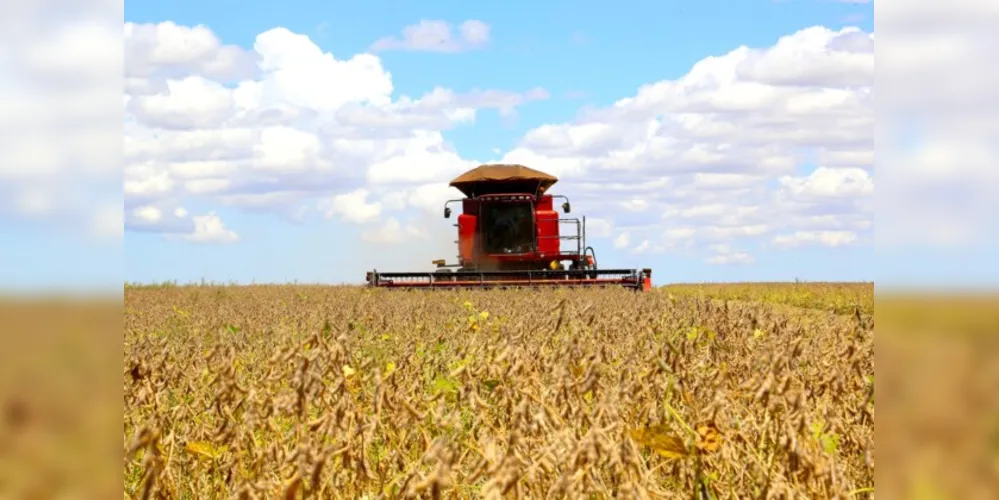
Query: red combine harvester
509, 236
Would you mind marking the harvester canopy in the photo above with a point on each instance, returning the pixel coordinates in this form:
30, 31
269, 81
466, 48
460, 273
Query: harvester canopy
502, 178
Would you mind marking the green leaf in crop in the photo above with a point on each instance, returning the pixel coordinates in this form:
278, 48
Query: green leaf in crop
692, 333
830, 443
442, 384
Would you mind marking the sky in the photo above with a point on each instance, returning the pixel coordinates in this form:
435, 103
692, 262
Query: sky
313, 141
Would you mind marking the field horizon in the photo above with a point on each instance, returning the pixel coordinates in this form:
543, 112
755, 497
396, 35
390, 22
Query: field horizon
153, 284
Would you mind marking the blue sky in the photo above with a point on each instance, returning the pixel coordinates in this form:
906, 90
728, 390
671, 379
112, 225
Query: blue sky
586, 55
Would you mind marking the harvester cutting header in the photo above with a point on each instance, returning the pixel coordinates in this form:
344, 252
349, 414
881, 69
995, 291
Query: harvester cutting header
510, 235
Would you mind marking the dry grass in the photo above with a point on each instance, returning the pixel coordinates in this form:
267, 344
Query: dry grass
59, 397
840, 298
346, 392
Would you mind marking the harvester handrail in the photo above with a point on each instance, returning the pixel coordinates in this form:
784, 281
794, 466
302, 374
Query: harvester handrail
579, 236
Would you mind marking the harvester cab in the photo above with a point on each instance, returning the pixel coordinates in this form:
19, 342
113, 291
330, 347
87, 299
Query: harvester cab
510, 235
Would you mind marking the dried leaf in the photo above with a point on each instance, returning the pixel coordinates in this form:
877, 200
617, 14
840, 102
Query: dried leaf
205, 449
662, 440
708, 438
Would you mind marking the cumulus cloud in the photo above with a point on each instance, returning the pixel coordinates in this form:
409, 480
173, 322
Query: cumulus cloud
437, 36
148, 214
830, 183
724, 254
622, 240
937, 127
169, 48
210, 229
746, 144
108, 221
60, 117
393, 232
599, 227
771, 144
351, 207
284, 127
827, 238
642, 247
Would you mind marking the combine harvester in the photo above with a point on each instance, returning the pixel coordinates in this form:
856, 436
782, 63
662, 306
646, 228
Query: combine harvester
509, 236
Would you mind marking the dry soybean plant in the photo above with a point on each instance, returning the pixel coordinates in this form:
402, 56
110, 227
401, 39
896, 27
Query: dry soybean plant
344, 392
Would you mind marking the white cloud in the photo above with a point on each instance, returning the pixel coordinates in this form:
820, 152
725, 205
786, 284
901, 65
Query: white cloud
731, 258
169, 47
279, 127
34, 202
715, 156
718, 124
474, 32
437, 36
622, 240
937, 128
717, 140
635, 205
146, 181
162, 217
108, 221
679, 233
392, 232
825, 238
148, 214
830, 183
206, 186
724, 254
210, 229
351, 207
60, 117
723, 181
805, 59
642, 247
598, 227
193, 102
